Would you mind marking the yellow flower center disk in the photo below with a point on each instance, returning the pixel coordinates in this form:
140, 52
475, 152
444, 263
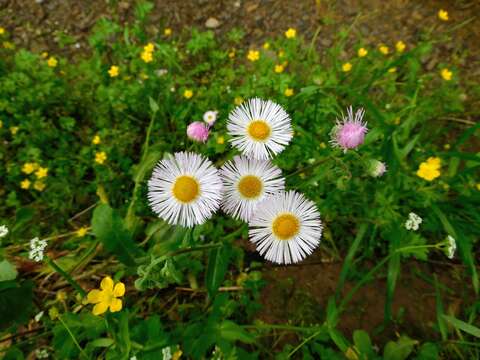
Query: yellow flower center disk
286, 226
259, 130
186, 189
250, 186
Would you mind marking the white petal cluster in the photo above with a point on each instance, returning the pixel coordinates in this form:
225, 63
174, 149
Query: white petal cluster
37, 247
413, 222
3, 231
451, 246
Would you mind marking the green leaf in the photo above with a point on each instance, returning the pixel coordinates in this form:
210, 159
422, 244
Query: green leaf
399, 350
107, 225
349, 258
462, 325
363, 343
231, 331
7, 271
217, 266
15, 303
102, 342
153, 105
439, 310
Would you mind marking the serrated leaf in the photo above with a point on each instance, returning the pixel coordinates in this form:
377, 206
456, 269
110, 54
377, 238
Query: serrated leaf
217, 266
108, 227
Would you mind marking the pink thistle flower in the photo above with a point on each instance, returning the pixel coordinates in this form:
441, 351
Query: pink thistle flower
350, 132
198, 131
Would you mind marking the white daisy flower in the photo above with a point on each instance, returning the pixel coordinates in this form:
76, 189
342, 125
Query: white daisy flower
3, 231
37, 248
210, 117
246, 183
185, 189
259, 128
451, 246
286, 227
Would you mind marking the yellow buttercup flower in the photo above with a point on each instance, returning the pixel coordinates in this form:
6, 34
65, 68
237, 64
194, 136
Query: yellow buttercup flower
41, 172
14, 130
82, 231
253, 55
290, 33
266, 45
238, 100
187, 94
107, 296
288, 92
446, 74
346, 67
392, 70
44, 55
2, 31
231, 54
149, 47
384, 49
100, 157
478, 186
177, 354
114, 71
362, 52
167, 32
25, 184
430, 169
400, 46
146, 56
96, 140
29, 168
39, 185
443, 15
279, 68
52, 62
434, 162
220, 140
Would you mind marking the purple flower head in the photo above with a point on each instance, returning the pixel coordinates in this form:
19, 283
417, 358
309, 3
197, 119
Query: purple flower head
350, 132
198, 131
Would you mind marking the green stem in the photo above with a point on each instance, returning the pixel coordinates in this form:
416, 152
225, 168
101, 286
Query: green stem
316, 163
315, 334
66, 276
73, 337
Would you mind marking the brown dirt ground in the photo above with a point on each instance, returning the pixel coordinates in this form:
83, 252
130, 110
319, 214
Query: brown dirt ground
300, 294
37, 25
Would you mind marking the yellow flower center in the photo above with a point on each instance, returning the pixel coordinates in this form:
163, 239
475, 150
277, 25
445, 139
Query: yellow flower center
186, 189
250, 186
259, 130
286, 226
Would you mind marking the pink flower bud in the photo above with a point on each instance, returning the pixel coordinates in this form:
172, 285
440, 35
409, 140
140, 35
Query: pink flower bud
350, 132
198, 131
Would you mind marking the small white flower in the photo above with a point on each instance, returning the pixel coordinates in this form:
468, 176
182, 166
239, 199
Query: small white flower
259, 129
38, 316
3, 231
41, 354
185, 189
246, 183
413, 222
167, 353
452, 246
210, 117
133, 357
161, 72
37, 247
286, 227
